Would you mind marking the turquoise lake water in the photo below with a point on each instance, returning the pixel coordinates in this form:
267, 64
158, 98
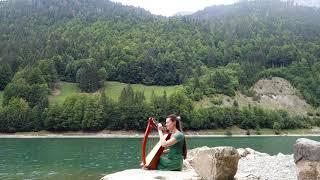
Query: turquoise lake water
92, 158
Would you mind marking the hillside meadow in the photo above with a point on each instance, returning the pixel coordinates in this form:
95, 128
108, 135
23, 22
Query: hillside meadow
113, 90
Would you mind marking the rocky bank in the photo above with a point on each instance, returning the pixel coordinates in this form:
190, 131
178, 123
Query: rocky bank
223, 163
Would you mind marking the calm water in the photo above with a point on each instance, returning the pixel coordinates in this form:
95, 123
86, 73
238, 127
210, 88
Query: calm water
88, 158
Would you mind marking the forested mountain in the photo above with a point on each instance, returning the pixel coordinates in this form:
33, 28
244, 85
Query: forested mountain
219, 50
131, 44
266, 38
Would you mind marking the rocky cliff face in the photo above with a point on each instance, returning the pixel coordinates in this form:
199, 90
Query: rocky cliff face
278, 93
269, 93
274, 93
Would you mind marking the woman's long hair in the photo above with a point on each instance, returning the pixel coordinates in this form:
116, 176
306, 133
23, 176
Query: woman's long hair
177, 119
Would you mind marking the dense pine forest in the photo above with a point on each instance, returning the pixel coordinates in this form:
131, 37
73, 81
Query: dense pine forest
219, 50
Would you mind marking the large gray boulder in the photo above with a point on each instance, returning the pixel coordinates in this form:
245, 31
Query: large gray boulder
219, 163
306, 149
307, 159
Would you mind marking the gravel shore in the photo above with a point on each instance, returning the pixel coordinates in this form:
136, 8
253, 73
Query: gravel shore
265, 167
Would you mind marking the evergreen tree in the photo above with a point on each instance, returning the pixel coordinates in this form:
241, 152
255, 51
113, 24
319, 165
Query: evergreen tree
15, 116
5, 75
89, 78
93, 115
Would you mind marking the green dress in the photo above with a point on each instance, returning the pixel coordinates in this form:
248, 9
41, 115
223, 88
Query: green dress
173, 160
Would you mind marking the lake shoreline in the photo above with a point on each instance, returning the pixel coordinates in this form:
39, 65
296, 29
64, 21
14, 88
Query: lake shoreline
130, 134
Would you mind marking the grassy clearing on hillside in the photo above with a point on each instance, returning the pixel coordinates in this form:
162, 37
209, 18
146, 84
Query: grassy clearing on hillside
113, 89
1, 97
66, 89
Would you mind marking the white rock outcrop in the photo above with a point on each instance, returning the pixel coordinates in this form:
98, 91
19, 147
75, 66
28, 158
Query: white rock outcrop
212, 163
261, 166
140, 174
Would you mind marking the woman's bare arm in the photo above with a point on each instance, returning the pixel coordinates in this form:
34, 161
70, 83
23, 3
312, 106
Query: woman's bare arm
163, 141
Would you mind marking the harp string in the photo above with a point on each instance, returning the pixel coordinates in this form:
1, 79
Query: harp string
153, 139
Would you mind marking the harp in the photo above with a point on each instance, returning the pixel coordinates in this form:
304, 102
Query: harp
152, 159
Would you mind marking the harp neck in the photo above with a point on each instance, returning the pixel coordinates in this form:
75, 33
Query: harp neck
152, 123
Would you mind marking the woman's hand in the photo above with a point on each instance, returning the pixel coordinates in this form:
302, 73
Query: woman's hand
160, 127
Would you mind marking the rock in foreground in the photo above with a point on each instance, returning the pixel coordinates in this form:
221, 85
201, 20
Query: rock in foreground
307, 159
153, 174
219, 163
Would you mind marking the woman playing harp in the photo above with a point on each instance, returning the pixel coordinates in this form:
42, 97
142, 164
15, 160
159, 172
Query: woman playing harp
176, 145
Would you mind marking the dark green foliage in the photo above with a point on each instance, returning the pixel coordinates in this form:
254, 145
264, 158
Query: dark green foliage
181, 105
5, 75
80, 112
159, 106
61, 63
248, 118
15, 116
133, 117
223, 83
36, 118
88, 76
87, 73
127, 95
235, 104
136, 47
92, 115
110, 110
54, 119
32, 75
49, 72
73, 112
221, 49
282, 56
132, 110
30, 85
